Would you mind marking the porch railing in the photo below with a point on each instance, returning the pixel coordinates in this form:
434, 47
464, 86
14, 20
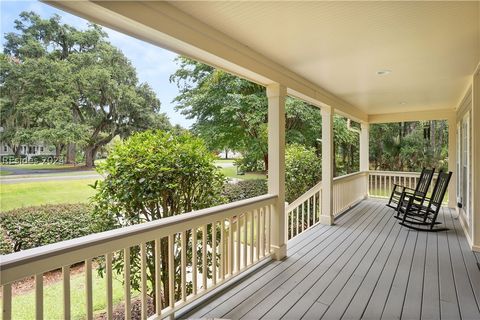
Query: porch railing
220, 242
304, 212
348, 190
380, 183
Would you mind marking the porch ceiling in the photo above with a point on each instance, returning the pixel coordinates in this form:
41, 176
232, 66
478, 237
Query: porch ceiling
432, 48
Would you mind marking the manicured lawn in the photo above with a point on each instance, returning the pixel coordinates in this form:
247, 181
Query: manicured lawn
23, 306
4, 173
43, 175
225, 160
231, 172
37, 193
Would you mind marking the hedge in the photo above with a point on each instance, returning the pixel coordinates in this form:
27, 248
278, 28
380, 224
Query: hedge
32, 227
244, 189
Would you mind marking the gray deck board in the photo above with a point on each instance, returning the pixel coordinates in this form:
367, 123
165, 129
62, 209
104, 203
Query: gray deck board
375, 278
325, 272
396, 295
223, 306
431, 294
477, 255
256, 306
412, 305
466, 297
448, 295
366, 266
470, 262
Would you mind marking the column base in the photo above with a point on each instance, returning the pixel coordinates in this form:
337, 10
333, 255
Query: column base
327, 220
279, 252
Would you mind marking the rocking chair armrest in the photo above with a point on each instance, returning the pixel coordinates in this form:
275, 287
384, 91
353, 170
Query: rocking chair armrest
411, 196
398, 189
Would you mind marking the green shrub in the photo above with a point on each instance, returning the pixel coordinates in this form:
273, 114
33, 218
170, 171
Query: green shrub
303, 170
154, 175
244, 189
32, 227
250, 162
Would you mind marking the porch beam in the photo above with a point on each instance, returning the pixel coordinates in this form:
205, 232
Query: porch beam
439, 114
276, 94
328, 156
162, 24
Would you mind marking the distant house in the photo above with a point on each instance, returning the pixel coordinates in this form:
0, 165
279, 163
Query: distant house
28, 150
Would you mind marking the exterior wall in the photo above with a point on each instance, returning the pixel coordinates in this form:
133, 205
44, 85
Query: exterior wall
468, 182
465, 211
475, 143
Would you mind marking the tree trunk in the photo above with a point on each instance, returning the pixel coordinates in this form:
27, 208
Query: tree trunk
90, 154
265, 161
58, 150
16, 150
226, 153
71, 153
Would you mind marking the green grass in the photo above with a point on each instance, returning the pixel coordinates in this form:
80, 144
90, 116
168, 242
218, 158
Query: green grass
4, 173
37, 193
23, 306
231, 172
53, 174
225, 160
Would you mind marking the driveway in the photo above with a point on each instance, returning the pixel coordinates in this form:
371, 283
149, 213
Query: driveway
53, 177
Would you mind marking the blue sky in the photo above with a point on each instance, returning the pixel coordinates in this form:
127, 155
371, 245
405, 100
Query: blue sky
154, 65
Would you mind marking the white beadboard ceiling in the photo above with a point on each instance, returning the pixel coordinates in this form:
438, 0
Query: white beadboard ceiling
432, 48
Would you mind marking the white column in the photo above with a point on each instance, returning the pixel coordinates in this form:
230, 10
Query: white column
276, 165
328, 157
476, 160
452, 161
364, 152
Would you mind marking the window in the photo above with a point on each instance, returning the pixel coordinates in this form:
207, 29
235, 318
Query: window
463, 166
41, 149
5, 148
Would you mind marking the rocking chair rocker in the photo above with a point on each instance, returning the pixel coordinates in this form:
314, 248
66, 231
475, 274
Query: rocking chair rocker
424, 218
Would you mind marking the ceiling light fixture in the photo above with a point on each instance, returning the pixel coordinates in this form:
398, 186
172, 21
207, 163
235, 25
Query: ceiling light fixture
383, 72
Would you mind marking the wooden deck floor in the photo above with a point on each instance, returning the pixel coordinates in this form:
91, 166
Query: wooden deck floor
366, 266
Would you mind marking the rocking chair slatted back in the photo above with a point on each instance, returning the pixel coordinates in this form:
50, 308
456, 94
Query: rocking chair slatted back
440, 189
424, 181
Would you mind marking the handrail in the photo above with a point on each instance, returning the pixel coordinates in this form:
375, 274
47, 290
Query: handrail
304, 196
350, 175
381, 182
54, 255
395, 173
